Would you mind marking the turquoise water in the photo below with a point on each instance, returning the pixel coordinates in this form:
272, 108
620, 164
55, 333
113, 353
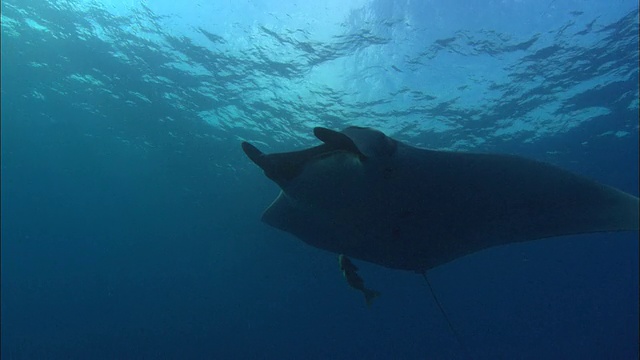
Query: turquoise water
131, 218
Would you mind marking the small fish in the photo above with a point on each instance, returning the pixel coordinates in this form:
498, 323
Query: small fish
350, 273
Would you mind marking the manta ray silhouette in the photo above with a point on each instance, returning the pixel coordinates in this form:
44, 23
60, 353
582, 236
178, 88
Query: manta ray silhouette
373, 198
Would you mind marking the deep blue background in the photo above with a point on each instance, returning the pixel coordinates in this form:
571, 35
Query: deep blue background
130, 227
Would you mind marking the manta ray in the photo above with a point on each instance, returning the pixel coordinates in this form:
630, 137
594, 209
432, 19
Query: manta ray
368, 196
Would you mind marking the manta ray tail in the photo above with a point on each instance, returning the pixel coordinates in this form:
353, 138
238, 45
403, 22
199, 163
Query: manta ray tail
446, 317
370, 295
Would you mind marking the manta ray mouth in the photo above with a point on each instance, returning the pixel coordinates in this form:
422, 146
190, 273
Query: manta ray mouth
329, 154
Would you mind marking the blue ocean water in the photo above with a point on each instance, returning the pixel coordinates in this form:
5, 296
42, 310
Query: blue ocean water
131, 218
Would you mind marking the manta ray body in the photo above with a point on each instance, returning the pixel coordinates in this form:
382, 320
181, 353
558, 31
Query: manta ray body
365, 195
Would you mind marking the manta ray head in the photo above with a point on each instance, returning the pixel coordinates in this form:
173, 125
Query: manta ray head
336, 162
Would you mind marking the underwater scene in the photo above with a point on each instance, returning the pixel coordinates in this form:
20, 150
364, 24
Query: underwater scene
333, 179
